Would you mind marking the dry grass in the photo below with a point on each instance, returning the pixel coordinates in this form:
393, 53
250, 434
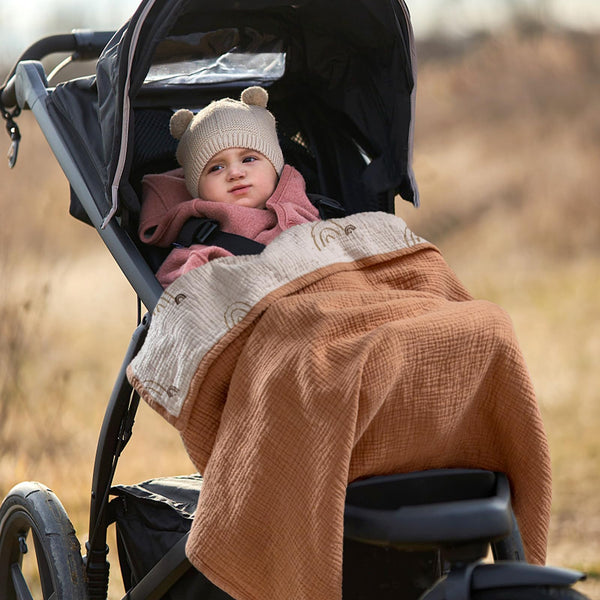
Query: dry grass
507, 147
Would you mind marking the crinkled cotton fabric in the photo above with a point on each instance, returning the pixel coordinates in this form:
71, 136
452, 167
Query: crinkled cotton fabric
347, 348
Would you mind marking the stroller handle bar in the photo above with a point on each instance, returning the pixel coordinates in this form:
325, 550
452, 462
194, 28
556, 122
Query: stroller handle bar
83, 44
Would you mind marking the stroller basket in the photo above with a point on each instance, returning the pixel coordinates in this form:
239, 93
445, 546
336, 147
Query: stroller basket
394, 529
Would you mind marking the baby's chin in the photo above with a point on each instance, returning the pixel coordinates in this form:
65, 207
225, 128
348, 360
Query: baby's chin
250, 203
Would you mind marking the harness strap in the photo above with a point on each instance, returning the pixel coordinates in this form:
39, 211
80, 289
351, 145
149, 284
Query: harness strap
328, 207
199, 230
202, 230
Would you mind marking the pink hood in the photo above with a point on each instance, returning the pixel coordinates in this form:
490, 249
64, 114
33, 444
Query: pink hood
167, 205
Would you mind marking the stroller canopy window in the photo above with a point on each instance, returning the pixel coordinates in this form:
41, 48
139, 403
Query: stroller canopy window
217, 57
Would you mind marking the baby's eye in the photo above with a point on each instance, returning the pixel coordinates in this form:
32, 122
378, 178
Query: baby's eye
250, 158
214, 168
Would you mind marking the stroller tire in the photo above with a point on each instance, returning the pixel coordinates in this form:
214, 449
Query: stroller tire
33, 521
529, 593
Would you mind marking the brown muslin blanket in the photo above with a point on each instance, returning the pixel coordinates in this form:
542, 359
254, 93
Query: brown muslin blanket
347, 348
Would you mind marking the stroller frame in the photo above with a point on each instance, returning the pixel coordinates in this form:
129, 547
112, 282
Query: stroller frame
460, 513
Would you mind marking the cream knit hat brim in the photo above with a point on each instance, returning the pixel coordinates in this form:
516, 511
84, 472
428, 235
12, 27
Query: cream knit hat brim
223, 124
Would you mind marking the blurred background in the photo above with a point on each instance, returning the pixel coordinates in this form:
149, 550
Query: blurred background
507, 148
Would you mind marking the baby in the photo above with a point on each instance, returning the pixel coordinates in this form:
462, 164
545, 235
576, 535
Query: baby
233, 171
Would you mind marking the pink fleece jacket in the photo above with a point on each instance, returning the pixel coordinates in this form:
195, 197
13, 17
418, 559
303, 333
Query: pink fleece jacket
167, 205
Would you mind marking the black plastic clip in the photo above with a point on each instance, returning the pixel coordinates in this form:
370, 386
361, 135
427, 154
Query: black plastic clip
196, 230
13, 132
15, 138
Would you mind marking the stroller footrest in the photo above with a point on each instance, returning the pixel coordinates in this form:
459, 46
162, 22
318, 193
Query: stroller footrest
429, 509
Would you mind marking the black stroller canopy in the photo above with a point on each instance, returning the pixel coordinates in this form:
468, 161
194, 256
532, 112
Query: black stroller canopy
352, 59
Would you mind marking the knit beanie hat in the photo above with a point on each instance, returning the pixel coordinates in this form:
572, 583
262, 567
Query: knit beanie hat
225, 124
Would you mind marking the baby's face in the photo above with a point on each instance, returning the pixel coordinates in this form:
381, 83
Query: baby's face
238, 176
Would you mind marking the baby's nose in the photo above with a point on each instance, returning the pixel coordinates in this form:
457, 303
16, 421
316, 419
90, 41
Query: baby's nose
236, 171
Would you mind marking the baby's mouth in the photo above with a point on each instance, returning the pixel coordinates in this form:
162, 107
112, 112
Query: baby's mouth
238, 189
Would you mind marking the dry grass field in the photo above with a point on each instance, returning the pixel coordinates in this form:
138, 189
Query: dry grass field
507, 153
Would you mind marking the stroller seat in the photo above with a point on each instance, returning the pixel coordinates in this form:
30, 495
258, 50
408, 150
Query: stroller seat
430, 509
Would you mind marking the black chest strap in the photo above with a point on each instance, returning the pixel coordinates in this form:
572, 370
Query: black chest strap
200, 230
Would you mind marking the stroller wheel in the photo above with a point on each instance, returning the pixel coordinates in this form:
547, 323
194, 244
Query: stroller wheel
530, 593
39, 552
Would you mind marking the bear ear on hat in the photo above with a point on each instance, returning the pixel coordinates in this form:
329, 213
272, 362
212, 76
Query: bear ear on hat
179, 122
256, 96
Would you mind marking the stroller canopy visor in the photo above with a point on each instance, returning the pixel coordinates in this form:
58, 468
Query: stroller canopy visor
355, 58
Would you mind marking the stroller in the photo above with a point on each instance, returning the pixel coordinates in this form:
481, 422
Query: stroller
416, 535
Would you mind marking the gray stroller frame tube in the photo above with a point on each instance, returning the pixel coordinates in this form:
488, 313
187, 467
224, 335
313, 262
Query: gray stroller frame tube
31, 92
